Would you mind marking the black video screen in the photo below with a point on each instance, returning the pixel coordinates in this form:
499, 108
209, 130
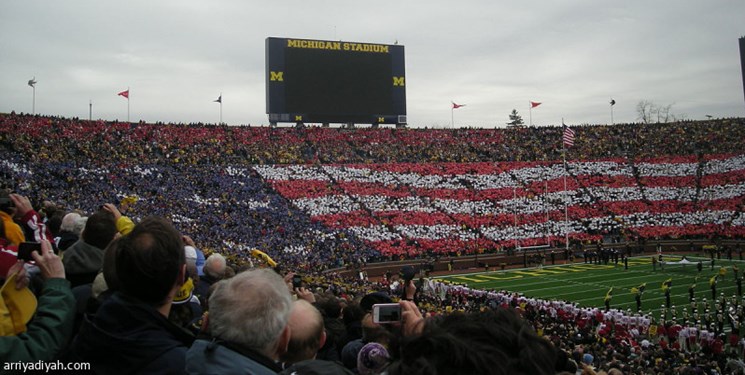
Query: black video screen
337, 82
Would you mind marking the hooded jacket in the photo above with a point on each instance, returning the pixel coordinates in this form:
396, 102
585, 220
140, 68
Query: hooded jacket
82, 262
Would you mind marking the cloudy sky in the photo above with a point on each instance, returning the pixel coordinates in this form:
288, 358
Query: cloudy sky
571, 55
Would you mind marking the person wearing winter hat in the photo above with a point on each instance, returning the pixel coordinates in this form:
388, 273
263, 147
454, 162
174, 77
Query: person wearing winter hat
588, 359
372, 359
316, 367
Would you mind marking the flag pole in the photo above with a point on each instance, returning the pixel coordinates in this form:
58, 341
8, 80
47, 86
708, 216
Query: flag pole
566, 210
90, 110
220, 109
514, 210
530, 112
611, 113
452, 110
127, 104
545, 205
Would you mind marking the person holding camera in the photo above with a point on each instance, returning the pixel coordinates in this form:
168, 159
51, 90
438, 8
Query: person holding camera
44, 336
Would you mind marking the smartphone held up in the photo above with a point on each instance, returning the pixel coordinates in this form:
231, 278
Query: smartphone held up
386, 313
26, 248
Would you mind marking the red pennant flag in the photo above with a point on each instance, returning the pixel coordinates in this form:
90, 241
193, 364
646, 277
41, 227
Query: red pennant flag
456, 106
534, 104
124, 93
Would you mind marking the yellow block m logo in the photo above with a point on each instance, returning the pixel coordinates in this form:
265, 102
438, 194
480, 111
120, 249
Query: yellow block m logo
398, 81
276, 76
298, 118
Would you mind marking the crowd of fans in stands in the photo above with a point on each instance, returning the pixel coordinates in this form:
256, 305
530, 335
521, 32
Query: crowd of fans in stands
110, 142
137, 284
205, 173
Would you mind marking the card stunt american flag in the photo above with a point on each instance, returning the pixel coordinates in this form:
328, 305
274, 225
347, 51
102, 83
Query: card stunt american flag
469, 207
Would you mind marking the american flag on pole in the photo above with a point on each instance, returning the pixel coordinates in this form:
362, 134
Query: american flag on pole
568, 136
413, 209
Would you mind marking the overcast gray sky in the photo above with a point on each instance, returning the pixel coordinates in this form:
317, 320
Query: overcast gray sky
571, 55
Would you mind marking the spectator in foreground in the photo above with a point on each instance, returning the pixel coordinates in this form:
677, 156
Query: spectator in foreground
248, 325
131, 332
307, 333
84, 259
214, 271
48, 332
372, 359
490, 342
67, 235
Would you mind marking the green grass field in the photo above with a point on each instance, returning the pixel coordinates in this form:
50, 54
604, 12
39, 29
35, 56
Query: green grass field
587, 284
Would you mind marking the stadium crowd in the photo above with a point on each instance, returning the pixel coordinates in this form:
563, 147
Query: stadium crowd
226, 145
168, 216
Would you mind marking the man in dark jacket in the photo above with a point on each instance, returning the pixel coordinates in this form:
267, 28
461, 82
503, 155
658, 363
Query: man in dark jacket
131, 332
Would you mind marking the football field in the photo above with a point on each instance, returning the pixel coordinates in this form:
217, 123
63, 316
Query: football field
587, 284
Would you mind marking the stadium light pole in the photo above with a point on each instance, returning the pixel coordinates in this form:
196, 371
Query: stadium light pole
219, 100
32, 83
90, 110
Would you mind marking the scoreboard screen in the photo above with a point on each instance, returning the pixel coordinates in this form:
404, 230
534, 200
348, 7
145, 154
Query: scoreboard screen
334, 82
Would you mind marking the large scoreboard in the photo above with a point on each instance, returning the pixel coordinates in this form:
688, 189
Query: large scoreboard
334, 82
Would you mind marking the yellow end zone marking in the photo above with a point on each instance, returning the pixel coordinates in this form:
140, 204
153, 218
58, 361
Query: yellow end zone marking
637, 263
537, 272
469, 279
640, 260
550, 271
529, 273
586, 267
492, 277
